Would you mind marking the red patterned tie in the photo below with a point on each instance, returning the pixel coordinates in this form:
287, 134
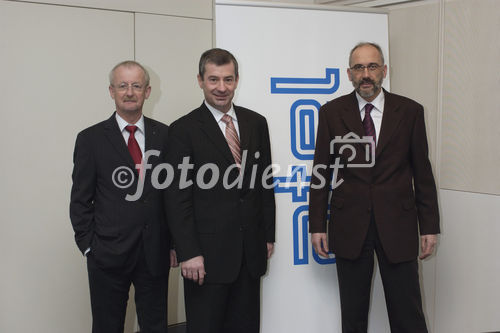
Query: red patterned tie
232, 138
133, 146
368, 123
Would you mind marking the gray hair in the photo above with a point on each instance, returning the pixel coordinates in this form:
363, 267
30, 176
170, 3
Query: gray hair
128, 64
375, 45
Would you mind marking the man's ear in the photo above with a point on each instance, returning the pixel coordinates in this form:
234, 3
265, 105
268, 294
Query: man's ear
200, 80
111, 92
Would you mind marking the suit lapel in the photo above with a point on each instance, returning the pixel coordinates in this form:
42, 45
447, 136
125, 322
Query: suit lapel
212, 130
152, 142
390, 121
245, 133
352, 117
152, 136
115, 137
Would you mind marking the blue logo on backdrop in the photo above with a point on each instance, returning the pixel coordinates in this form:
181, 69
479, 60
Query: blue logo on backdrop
327, 85
303, 117
303, 124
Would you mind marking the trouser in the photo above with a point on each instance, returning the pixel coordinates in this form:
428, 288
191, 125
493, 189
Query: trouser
109, 292
401, 289
224, 308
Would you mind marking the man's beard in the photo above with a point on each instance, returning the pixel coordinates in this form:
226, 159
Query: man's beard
367, 94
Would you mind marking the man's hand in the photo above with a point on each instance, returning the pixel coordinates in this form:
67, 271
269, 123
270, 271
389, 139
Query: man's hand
270, 249
428, 245
173, 258
194, 269
320, 244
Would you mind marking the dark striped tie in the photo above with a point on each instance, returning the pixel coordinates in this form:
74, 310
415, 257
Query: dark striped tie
232, 138
368, 123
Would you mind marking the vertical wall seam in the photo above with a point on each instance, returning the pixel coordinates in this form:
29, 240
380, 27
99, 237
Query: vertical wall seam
214, 19
440, 79
440, 90
134, 37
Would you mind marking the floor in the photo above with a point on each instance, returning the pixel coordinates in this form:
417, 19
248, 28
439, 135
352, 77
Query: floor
177, 328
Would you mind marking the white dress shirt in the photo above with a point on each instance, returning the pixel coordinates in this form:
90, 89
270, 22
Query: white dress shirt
376, 112
140, 133
218, 118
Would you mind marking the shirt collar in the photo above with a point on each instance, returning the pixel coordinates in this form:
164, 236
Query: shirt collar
378, 102
219, 114
122, 123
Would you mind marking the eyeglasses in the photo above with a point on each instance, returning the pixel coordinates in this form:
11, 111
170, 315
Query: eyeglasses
124, 87
361, 68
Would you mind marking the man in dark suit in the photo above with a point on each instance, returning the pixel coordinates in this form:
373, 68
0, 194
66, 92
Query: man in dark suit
381, 208
116, 211
221, 217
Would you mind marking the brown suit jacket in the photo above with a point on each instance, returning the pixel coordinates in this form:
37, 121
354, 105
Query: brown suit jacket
399, 189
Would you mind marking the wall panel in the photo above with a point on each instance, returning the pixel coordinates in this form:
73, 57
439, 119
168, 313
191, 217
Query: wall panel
470, 130
170, 47
414, 46
55, 62
189, 8
467, 292
466, 265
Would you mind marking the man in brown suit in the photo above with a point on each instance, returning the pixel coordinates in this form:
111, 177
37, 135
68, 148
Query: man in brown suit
380, 208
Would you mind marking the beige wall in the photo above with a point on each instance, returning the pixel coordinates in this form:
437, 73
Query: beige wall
170, 47
413, 44
55, 61
471, 114
445, 55
468, 293
182, 8
467, 284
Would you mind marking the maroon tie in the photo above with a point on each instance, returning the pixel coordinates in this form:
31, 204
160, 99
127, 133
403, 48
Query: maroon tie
133, 146
368, 123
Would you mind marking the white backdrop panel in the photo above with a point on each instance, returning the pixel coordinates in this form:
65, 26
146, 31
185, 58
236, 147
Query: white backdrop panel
305, 51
